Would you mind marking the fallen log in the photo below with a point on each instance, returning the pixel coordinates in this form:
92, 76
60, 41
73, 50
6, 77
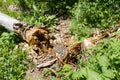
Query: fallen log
7, 21
30, 33
40, 38
76, 50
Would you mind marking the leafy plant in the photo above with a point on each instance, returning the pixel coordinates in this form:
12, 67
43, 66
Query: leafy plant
105, 60
12, 62
47, 72
9, 6
89, 14
61, 6
32, 11
2, 29
43, 11
102, 65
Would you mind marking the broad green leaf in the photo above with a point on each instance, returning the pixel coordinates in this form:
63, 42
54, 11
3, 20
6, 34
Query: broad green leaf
79, 74
103, 61
76, 75
93, 75
108, 73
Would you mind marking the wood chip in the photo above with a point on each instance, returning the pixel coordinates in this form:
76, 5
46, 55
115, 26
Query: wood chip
46, 64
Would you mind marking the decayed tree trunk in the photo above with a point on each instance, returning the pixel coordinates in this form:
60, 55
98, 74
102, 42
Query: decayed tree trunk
7, 21
38, 38
30, 33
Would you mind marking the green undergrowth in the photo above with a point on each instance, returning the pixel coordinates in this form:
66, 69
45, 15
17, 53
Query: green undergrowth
13, 63
90, 14
28, 11
5, 7
37, 12
102, 64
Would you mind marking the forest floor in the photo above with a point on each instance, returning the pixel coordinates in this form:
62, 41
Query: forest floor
63, 39
62, 50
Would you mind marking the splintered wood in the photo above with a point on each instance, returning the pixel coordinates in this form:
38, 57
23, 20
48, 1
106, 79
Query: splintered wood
40, 41
44, 47
75, 51
37, 37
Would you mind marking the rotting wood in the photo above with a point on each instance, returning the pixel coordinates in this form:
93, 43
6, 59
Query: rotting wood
46, 64
39, 38
33, 35
79, 47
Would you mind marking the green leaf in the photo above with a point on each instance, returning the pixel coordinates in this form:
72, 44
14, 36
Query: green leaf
67, 68
76, 75
103, 60
35, 8
93, 75
108, 73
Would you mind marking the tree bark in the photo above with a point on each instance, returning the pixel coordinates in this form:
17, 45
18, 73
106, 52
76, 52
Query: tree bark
7, 21
33, 35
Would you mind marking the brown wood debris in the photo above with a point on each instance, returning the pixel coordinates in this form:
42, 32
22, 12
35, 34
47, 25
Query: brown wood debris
37, 37
43, 50
75, 51
46, 64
